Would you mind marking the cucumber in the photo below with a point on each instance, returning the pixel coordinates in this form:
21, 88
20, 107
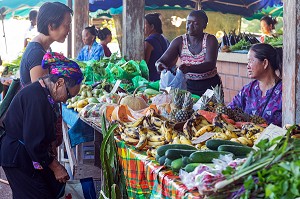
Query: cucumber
157, 157
236, 150
191, 167
215, 143
185, 160
178, 153
162, 160
162, 149
168, 162
177, 164
206, 156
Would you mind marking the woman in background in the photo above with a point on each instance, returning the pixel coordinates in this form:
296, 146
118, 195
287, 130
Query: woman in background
92, 50
105, 37
31, 31
53, 24
263, 96
155, 43
267, 25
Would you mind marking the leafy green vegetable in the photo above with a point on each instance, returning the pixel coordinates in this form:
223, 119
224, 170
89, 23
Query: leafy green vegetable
274, 41
241, 45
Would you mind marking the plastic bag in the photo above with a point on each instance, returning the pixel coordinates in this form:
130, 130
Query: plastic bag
139, 81
144, 69
168, 79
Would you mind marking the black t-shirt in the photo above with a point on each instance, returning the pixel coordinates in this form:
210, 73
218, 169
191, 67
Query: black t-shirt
30, 128
32, 57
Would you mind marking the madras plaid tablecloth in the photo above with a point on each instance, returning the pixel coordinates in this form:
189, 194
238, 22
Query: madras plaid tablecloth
145, 178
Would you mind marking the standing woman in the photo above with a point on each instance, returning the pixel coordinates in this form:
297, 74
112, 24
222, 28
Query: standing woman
92, 50
105, 36
198, 53
155, 43
53, 24
27, 150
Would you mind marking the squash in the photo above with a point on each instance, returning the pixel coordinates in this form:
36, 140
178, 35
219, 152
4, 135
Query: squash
134, 102
120, 113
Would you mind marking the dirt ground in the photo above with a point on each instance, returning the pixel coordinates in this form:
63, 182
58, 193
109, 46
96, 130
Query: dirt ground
5, 191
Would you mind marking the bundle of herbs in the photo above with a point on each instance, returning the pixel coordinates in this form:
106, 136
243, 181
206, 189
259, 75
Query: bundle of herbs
272, 171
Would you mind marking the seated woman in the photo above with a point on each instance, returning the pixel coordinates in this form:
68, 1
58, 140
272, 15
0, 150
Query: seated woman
198, 53
263, 96
28, 154
92, 50
155, 43
105, 36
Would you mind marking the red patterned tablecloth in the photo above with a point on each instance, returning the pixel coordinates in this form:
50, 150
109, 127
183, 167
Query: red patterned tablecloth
145, 178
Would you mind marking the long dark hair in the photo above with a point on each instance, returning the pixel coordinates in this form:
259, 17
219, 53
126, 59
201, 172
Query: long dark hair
269, 20
92, 30
153, 19
102, 34
273, 55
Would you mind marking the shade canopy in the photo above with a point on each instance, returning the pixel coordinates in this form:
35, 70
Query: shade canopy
240, 7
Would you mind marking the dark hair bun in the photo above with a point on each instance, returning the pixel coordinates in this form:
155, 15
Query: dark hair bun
102, 34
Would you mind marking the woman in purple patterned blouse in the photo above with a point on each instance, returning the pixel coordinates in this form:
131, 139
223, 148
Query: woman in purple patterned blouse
263, 96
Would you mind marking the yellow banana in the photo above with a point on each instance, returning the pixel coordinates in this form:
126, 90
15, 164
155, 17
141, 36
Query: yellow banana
176, 140
207, 128
203, 148
132, 132
183, 140
142, 142
230, 134
235, 140
156, 138
136, 123
245, 141
174, 134
187, 129
222, 136
156, 121
129, 140
151, 152
155, 144
167, 131
198, 146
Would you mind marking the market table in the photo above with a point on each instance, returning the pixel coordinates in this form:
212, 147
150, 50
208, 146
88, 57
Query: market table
145, 178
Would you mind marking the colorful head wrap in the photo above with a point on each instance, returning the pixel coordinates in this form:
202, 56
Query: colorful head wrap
62, 66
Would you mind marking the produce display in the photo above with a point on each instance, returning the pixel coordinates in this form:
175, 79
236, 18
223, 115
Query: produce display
165, 127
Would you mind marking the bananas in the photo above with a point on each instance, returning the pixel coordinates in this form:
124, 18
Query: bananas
142, 142
204, 129
184, 140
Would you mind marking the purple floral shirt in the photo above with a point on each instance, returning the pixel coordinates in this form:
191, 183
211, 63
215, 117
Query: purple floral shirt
250, 100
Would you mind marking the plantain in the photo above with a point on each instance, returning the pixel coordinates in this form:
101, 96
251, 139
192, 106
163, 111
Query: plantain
129, 140
235, 140
132, 132
220, 122
184, 140
187, 130
174, 134
245, 141
151, 152
222, 136
136, 123
176, 140
156, 138
152, 133
155, 144
156, 121
167, 131
142, 142
230, 134
207, 128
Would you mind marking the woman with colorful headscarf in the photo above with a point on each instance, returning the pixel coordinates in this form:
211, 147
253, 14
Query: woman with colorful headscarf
28, 148
92, 50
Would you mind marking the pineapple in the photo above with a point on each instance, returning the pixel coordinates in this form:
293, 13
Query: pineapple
257, 119
177, 104
220, 106
240, 116
187, 109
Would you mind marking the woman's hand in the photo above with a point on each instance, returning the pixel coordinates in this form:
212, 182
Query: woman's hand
59, 171
160, 66
183, 68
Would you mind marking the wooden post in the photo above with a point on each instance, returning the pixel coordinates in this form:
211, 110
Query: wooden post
133, 29
291, 61
81, 20
69, 41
